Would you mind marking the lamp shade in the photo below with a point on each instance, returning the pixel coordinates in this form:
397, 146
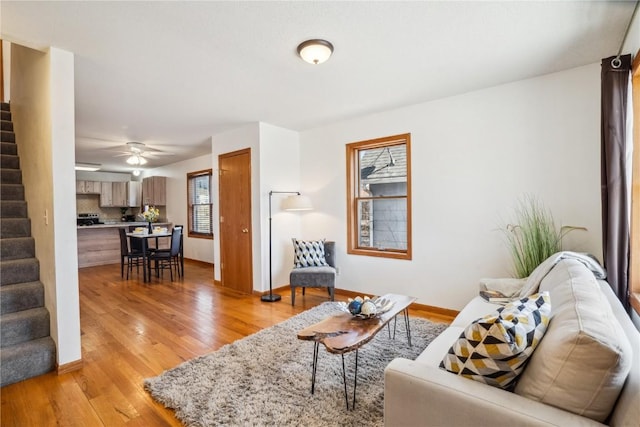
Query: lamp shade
315, 51
297, 203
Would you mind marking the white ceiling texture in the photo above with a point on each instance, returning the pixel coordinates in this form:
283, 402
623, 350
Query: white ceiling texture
171, 74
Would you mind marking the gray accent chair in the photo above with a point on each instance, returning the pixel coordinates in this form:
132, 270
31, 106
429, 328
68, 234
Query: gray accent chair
316, 277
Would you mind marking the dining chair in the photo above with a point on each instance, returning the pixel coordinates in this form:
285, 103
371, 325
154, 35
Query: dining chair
180, 253
135, 244
181, 228
133, 257
164, 259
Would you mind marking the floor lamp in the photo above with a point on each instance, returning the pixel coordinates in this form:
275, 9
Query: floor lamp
295, 202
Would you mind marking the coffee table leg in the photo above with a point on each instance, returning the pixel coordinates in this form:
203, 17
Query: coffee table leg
355, 383
344, 381
395, 320
407, 325
315, 366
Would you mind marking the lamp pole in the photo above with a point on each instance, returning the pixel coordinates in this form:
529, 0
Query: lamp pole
271, 297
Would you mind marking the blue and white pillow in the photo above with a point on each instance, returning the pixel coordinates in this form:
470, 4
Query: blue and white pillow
308, 253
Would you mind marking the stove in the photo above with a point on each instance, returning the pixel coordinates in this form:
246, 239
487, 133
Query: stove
85, 219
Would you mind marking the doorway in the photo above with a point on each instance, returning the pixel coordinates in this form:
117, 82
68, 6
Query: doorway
236, 261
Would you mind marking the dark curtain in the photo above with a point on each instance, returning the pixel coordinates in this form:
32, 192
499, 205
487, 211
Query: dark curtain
615, 191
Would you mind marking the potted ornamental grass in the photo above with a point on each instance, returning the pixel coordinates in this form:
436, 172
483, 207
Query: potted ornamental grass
534, 237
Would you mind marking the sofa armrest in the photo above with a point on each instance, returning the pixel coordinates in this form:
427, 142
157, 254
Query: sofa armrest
419, 394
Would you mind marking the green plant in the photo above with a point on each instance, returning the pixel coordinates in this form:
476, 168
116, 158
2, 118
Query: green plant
534, 237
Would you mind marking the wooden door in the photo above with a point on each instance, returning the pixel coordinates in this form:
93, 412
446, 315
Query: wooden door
235, 220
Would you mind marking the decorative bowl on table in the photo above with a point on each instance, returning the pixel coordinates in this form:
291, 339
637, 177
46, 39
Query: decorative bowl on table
159, 230
141, 230
365, 307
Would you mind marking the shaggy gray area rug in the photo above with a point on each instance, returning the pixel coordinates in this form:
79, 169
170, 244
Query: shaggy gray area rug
265, 378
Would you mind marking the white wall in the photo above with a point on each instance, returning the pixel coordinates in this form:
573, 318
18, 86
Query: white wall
42, 105
279, 171
176, 208
473, 157
247, 136
632, 42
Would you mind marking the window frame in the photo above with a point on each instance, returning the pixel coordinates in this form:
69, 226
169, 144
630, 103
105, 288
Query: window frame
352, 156
190, 232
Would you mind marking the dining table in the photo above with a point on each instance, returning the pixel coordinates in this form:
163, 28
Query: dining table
144, 237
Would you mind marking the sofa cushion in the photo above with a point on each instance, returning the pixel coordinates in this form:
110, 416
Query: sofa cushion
308, 253
476, 308
583, 361
494, 349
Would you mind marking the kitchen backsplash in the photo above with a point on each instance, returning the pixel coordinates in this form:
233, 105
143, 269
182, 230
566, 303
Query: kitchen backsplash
90, 203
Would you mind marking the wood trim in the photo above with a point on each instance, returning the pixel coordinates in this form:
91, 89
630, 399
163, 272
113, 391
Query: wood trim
634, 244
445, 313
351, 150
200, 263
635, 302
190, 176
70, 367
1, 73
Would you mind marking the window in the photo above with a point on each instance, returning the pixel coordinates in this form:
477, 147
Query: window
379, 197
199, 204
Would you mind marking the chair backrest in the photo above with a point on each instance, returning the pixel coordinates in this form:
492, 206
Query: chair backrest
329, 253
181, 228
176, 238
124, 246
136, 244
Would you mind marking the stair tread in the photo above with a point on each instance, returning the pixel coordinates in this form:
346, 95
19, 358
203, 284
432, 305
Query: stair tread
31, 312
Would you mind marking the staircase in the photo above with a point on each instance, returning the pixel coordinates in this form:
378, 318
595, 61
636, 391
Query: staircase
26, 349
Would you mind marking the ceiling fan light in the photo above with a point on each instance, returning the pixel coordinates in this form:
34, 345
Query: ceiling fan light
142, 160
315, 51
133, 160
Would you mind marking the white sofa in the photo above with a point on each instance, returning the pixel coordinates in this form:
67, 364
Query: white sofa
420, 393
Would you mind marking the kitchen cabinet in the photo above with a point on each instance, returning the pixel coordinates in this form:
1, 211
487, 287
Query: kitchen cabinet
88, 187
120, 194
106, 194
133, 193
154, 190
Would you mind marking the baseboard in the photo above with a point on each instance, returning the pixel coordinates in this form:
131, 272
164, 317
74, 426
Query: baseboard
445, 312
200, 263
70, 367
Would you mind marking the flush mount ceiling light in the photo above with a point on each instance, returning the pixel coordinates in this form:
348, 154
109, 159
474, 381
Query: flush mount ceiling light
136, 172
91, 167
315, 51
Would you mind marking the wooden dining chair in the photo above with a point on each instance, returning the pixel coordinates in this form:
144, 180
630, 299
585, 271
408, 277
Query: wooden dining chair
163, 259
133, 257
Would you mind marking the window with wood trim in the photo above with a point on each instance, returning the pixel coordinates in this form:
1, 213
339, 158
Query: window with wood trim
379, 197
634, 261
199, 204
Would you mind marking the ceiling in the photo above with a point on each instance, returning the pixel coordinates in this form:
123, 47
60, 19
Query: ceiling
172, 74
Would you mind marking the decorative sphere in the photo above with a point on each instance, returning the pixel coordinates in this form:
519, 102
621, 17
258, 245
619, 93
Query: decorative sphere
354, 307
368, 308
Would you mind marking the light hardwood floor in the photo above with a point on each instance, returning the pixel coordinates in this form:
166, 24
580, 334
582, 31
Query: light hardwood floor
133, 330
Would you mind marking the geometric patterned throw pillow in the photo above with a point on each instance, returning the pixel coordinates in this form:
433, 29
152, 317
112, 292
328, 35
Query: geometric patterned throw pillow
495, 348
308, 253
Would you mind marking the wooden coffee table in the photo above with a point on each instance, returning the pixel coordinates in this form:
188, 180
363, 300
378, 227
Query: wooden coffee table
343, 333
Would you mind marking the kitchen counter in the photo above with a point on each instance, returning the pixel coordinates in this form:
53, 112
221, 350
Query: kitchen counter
100, 244
118, 224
